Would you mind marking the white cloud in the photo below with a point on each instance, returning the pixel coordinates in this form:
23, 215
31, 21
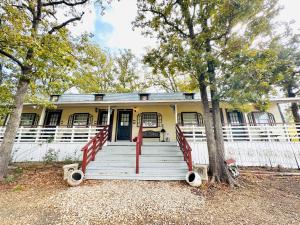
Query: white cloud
120, 17
86, 24
290, 11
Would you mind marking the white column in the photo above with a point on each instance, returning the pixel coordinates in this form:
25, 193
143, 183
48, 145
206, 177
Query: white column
175, 110
108, 115
42, 117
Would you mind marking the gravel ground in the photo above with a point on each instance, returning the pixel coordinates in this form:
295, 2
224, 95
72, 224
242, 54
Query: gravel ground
34, 198
123, 202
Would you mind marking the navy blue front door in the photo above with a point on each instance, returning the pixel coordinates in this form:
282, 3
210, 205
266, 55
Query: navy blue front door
124, 125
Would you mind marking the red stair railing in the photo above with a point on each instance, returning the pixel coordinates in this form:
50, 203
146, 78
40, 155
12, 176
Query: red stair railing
138, 148
93, 146
184, 147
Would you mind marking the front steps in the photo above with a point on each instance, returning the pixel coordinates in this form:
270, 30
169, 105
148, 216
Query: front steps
159, 161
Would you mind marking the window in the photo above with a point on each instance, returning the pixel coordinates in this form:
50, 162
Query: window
144, 97
54, 98
190, 119
235, 117
102, 118
28, 119
189, 96
99, 97
124, 120
261, 118
150, 119
80, 119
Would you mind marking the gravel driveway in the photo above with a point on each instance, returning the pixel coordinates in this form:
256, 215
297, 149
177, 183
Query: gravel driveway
123, 202
40, 197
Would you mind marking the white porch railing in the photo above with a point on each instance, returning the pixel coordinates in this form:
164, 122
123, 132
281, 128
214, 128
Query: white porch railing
278, 133
53, 134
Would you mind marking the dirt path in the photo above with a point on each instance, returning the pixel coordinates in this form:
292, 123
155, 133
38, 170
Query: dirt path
33, 198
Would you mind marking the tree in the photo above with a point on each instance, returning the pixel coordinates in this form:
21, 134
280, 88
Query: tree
95, 70
199, 32
288, 66
166, 75
127, 74
33, 39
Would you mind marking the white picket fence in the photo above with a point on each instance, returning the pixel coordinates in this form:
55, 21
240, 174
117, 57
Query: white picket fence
276, 133
251, 145
53, 134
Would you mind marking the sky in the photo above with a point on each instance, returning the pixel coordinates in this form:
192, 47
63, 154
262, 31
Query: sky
114, 31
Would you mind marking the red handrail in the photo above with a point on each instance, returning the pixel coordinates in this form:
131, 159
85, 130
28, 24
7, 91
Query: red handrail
184, 147
93, 146
138, 148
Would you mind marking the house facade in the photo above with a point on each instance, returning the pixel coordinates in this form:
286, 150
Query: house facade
145, 135
124, 112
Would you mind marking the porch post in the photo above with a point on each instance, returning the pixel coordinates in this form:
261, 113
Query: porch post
175, 110
108, 115
108, 121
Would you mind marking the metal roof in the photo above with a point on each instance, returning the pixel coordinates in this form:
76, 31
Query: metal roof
123, 97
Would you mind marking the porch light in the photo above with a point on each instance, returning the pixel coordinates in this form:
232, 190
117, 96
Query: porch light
163, 131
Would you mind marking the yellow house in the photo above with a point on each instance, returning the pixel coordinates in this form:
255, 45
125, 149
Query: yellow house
123, 112
149, 136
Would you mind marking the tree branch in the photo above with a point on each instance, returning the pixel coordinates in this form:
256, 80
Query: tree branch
51, 3
65, 23
12, 58
152, 10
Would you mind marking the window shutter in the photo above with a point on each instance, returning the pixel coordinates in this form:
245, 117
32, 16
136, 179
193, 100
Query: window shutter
36, 119
138, 123
159, 120
70, 120
90, 120
200, 119
179, 119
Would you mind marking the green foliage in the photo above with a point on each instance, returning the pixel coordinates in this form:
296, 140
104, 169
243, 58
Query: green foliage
220, 41
50, 156
41, 46
127, 74
95, 69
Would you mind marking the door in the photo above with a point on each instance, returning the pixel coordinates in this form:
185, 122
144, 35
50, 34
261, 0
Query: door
52, 118
124, 125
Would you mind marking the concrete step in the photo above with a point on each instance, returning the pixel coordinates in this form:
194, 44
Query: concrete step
145, 143
134, 177
144, 152
143, 159
126, 170
110, 164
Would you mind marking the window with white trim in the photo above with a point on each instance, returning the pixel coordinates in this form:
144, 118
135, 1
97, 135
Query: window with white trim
190, 118
80, 119
150, 119
27, 119
261, 118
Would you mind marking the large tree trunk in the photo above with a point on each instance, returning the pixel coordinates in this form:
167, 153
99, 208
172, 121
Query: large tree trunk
211, 144
295, 112
12, 127
223, 174
294, 107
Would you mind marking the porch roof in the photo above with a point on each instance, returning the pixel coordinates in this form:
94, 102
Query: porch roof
134, 99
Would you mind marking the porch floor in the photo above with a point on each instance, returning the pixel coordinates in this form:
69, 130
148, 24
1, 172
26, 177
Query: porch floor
159, 161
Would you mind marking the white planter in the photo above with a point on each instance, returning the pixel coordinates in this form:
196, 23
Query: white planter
193, 179
75, 178
68, 169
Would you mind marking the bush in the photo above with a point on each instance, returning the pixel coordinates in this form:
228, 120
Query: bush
50, 156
